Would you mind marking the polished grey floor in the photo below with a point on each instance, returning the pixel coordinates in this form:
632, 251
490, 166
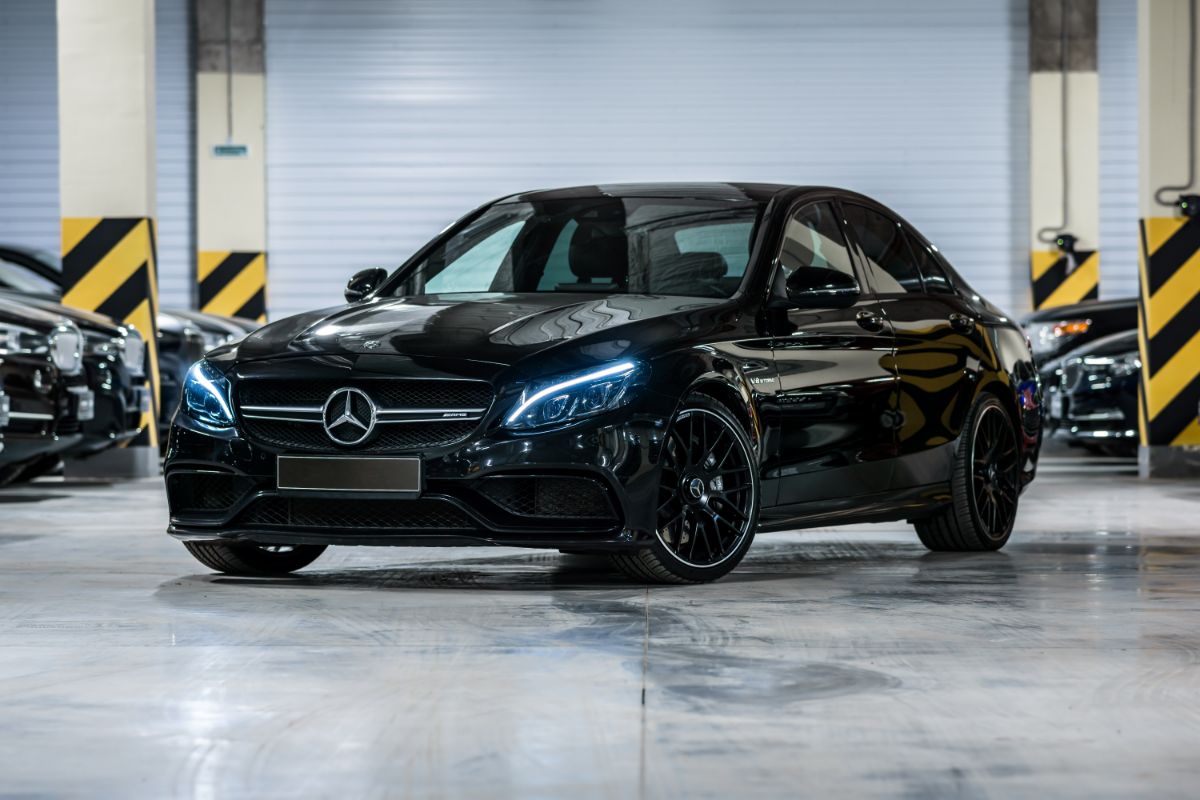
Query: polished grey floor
834, 663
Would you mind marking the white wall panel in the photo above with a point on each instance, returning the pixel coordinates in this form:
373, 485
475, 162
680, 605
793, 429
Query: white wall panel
29, 124
1118, 66
387, 119
29, 196
175, 134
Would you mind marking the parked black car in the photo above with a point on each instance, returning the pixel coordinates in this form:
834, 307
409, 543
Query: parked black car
42, 377
651, 371
1095, 401
1057, 331
183, 336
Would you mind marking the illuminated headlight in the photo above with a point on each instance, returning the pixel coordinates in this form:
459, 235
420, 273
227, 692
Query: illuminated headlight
133, 352
567, 398
1048, 338
66, 348
206, 396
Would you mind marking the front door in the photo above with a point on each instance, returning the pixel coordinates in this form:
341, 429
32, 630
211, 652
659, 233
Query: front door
835, 376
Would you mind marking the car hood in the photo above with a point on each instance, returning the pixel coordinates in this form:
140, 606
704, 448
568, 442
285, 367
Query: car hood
495, 328
88, 321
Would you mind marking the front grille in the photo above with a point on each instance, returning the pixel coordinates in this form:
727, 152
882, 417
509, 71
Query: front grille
387, 393
548, 496
205, 491
422, 514
262, 401
311, 438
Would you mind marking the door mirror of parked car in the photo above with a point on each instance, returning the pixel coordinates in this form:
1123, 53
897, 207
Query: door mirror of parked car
819, 287
364, 282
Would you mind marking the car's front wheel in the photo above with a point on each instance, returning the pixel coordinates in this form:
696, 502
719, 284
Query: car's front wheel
708, 499
245, 558
984, 487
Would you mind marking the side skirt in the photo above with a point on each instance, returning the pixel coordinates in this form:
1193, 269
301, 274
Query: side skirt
907, 504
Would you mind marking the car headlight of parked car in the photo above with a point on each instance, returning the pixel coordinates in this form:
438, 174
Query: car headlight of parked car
574, 396
133, 352
66, 348
206, 396
1118, 366
1049, 338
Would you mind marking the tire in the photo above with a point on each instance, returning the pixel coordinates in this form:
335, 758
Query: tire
985, 485
708, 493
242, 558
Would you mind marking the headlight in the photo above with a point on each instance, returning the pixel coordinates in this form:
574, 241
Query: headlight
206, 396
133, 352
214, 340
1118, 367
66, 348
1049, 337
567, 398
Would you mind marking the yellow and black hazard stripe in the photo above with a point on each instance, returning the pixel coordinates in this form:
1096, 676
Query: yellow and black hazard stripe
1169, 330
109, 267
233, 283
1060, 279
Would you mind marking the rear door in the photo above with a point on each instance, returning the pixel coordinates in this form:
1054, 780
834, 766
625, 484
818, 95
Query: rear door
835, 376
937, 342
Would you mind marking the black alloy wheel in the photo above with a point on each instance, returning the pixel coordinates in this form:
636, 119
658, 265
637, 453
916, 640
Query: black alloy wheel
994, 472
708, 498
985, 485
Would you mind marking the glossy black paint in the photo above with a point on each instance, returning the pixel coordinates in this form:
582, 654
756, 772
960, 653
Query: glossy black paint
117, 416
43, 419
1098, 387
1105, 317
852, 411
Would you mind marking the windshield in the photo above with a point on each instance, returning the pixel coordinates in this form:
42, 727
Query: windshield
22, 279
644, 245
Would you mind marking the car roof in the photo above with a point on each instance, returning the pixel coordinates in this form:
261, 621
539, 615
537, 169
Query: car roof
757, 192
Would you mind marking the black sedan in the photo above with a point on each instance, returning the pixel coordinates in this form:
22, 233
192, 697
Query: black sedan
1095, 402
46, 392
654, 372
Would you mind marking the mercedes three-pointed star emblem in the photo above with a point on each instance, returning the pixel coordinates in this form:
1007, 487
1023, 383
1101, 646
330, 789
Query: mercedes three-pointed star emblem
349, 416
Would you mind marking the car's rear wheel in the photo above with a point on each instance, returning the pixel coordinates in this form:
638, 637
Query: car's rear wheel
708, 499
245, 558
985, 485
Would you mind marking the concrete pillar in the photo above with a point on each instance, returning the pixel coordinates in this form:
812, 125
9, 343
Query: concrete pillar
1064, 95
231, 196
106, 174
1169, 307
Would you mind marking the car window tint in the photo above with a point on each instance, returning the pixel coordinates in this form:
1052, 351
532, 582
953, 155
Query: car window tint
890, 260
475, 267
558, 263
812, 238
936, 281
730, 240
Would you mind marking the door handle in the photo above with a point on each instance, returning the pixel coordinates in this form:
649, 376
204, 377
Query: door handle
869, 320
962, 322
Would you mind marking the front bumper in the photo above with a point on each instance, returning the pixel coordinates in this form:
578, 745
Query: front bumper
591, 486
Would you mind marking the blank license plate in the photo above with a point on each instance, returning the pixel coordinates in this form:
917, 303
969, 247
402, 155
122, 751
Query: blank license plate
348, 474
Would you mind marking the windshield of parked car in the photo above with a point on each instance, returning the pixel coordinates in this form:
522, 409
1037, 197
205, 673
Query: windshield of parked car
643, 245
22, 279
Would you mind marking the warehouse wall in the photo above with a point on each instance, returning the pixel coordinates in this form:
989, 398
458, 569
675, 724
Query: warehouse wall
28, 124
1118, 62
29, 196
387, 120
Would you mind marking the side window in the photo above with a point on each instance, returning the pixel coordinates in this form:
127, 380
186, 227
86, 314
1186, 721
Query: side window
890, 260
936, 281
812, 238
558, 263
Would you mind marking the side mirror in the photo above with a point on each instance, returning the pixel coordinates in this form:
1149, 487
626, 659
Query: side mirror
819, 287
364, 282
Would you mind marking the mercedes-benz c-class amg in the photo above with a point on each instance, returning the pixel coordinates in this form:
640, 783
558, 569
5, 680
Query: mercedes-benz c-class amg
654, 372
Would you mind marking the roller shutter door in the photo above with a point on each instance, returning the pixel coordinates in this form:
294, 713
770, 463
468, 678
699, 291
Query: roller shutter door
387, 119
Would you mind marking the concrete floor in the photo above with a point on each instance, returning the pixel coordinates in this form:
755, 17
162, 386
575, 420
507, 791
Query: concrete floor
836, 663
